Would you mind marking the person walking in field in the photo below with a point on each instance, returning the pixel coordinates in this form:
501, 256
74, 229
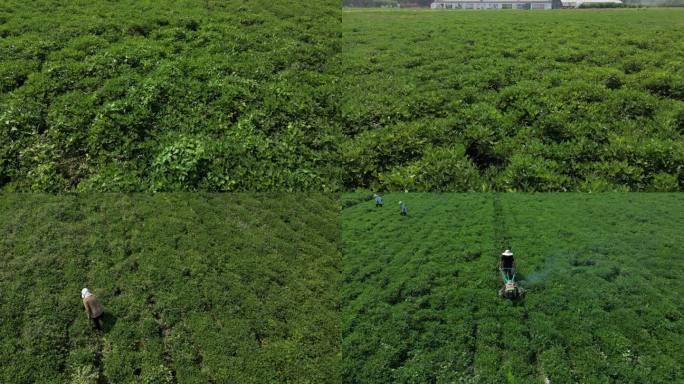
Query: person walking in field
93, 308
402, 207
378, 201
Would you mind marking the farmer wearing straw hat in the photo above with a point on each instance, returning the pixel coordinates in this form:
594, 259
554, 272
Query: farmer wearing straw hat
507, 263
93, 307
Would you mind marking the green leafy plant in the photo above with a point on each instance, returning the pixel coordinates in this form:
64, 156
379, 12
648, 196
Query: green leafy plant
109, 87
180, 164
535, 109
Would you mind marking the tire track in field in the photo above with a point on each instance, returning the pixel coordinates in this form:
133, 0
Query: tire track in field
99, 350
503, 241
138, 219
533, 357
164, 332
97, 362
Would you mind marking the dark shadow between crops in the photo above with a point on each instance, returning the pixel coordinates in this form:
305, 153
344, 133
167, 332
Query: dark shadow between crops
519, 302
108, 321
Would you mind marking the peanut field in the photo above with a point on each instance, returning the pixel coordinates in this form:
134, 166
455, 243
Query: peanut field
602, 272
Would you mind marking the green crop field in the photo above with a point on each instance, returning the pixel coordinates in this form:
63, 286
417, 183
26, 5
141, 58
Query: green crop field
141, 95
206, 95
572, 100
603, 274
197, 288
257, 95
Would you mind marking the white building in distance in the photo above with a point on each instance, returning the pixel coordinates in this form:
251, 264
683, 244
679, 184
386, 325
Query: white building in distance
496, 4
577, 3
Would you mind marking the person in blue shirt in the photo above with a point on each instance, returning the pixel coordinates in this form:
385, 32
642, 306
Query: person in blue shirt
378, 201
404, 210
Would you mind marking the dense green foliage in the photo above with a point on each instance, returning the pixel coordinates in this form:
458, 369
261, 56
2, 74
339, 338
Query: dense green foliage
168, 95
603, 275
260, 95
529, 101
196, 289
